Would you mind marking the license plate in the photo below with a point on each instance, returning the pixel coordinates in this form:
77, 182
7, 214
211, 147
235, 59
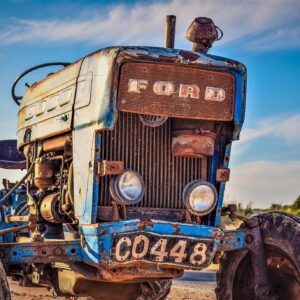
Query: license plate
161, 249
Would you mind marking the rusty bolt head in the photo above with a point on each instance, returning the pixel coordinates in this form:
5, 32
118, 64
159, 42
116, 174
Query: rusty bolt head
58, 251
249, 238
217, 258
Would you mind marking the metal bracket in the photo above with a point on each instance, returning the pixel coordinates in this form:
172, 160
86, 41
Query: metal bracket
223, 175
106, 167
41, 252
254, 243
231, 210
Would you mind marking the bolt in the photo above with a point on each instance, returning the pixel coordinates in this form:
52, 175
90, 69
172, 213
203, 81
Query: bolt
58, 251
249, 238
64, 118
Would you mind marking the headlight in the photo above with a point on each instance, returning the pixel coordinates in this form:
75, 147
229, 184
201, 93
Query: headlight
200, 197
127, 188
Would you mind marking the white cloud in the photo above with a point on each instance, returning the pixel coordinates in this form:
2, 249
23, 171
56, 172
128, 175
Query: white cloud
259, 24
284, 127
264, 183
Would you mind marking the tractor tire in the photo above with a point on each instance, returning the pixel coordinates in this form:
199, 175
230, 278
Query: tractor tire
281, 236
154, 290
4, 288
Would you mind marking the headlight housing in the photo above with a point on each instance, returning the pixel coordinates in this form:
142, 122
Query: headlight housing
200, 197
127, 188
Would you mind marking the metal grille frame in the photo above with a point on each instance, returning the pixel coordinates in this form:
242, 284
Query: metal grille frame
148, 151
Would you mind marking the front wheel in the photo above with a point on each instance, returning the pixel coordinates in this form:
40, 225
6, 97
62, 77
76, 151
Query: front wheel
154, 290
4, 288
281, 236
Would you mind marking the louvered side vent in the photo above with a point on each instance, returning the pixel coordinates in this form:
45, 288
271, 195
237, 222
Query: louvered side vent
148, 151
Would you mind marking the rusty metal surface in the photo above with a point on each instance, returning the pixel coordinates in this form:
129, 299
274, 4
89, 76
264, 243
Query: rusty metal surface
223, 175
231, 240
40, 252
255, 244
170, 31
44, 173
193, 145
173, 250
50, 210
202, 32
184, 101
57, 143
106, 167
148, 151
231, 211
105, 213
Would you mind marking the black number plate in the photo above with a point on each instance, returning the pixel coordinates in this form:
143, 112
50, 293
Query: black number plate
161, 249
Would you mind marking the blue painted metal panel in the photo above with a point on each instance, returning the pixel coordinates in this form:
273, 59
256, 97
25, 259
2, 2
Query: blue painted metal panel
222, 186
98, 237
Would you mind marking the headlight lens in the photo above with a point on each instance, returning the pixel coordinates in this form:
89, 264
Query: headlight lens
200, 197
127, 188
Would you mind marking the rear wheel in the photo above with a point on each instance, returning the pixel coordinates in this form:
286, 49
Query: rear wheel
281, 235
4, 288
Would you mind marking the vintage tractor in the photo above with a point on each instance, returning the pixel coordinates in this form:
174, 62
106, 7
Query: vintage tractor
126, 154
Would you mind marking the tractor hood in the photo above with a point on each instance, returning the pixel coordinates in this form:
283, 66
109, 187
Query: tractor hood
85, 92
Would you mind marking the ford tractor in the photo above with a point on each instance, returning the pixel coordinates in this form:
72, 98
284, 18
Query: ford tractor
126, 155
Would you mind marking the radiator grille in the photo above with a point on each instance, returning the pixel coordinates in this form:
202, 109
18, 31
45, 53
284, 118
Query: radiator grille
148, 151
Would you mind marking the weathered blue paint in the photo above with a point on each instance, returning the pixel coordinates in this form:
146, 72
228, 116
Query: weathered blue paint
98, 237
41, 252
96, 180
235, 240
182, 229
109, 228
222, 186
10, 207
240, 103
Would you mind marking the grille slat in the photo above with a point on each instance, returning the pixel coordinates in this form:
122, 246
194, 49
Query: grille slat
148, 151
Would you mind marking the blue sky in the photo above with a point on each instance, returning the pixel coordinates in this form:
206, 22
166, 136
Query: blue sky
264, 35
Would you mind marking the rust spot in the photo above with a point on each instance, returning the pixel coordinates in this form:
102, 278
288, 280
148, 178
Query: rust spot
223, 174
193, 145
249, 238
107, 167
176, 227
145, 99
189, 55
44, 173
58, 251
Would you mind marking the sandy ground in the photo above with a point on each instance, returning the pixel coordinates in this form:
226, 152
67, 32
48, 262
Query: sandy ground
191, 290
181, 290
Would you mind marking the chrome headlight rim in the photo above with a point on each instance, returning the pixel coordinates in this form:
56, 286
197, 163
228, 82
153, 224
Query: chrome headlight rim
187, 193
116, 193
